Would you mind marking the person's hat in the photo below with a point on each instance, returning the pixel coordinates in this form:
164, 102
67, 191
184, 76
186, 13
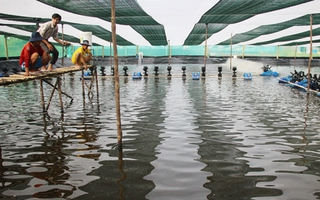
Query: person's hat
35, 36
85, 42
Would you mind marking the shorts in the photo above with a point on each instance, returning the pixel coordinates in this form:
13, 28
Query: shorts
36, 66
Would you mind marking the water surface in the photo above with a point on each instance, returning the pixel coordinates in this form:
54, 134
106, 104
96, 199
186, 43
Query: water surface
182, 138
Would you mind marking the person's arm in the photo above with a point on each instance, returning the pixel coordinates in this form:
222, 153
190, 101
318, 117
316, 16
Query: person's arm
63, 43
27, 56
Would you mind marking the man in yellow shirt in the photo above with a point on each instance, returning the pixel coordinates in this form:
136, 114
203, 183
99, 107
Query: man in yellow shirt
82, 55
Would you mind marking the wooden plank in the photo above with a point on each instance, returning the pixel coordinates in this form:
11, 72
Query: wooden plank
19, 78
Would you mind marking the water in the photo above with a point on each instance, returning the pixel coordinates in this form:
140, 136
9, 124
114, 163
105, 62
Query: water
182, 139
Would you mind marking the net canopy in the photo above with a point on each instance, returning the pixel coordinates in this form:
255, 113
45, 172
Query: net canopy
213, 20
95, 29
268, 29
227, 12
128, 12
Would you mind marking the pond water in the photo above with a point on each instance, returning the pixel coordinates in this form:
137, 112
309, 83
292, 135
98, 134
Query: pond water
213, 138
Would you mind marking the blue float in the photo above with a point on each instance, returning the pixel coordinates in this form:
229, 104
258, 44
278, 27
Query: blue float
136, 75
195, 75
247, 76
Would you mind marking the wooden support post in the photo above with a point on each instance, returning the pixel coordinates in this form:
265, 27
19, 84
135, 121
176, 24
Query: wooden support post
96, 76
51, 95
310, 56
55, 87
116, 72
62, 59
205, 46
243, 46
6, 46
60, 95
42, 96
231, 52
82, 81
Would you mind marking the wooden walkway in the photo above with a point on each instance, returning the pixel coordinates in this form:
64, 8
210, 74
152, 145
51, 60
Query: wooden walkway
18, 78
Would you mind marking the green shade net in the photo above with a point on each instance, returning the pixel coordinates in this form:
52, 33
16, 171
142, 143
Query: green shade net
95, 29
268, 29
315, 32
22, 37
234, 11
128, 12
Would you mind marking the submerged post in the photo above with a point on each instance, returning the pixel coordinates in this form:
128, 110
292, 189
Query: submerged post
310, 56
116, 72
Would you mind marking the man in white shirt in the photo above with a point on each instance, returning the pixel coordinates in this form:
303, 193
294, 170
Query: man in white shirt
47, 30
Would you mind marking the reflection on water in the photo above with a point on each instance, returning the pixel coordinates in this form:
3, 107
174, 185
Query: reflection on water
182, 139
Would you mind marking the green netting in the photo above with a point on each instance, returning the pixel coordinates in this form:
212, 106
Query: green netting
268, 29
233, 11
15, 45
33, 28
101, 33
315, 32
95, 29
128, 12
300, 43
198, 34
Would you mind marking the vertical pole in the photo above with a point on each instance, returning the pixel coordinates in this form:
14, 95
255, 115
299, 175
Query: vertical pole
82, 81
310, 56
96, 77
62, 47
60, 94
42, 96
243, 51
231, 52
116, 72
6, 47
205, 46
295, 57
169, 52
102, 52
137, 50
110, 51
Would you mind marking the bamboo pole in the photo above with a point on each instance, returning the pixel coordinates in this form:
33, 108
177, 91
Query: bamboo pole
243, 46
60, 95
116, 72
51, 95
231, 52
6, 47
42, 96
96, 77
295, 57
205, 46
62, 59
310, 56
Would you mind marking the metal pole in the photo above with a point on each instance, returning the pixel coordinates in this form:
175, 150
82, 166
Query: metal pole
116, 72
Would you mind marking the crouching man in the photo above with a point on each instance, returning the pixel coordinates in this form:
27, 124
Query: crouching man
82, 55
32, 57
